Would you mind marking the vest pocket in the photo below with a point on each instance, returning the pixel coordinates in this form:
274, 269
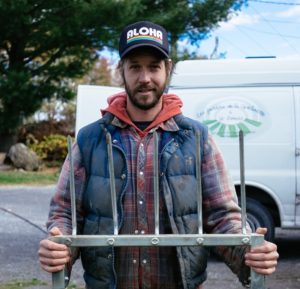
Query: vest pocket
196, 262
95, 260
91, 225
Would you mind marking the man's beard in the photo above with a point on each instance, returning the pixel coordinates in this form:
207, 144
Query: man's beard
157, 93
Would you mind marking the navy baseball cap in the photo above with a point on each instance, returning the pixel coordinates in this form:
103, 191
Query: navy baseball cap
144, 33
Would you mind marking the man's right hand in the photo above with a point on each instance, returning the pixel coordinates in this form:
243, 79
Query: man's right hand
53, 256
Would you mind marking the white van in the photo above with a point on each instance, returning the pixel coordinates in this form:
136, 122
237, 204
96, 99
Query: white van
262, 98
259, 96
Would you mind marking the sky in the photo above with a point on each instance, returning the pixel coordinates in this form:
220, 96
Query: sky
260, 29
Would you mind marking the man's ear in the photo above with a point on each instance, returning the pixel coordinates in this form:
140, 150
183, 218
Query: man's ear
120, 65
120, 74
170, 67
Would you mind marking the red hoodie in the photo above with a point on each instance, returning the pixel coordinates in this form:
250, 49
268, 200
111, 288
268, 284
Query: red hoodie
117, 106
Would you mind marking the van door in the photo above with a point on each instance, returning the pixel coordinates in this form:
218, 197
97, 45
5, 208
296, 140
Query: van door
267, 117
90, 100
297, 112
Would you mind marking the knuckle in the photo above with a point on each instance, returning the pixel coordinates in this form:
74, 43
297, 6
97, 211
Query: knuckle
40, 252
55, 255
52, 262
53, 269
270, 271
266, 264
51, 246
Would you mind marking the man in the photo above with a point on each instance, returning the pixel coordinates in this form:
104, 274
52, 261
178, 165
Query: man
131, 118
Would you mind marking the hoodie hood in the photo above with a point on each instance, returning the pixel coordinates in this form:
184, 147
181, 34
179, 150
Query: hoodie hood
117, 106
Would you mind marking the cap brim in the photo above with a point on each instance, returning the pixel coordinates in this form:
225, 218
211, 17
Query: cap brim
129, 49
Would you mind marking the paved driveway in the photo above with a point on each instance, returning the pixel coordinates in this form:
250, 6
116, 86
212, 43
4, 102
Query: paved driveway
19, 241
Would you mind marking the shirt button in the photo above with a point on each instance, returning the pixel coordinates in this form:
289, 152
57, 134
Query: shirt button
136, 232
134, 261
115, 141
142, 232
141, 202
142, 144
109, 256
144, 261
141, 173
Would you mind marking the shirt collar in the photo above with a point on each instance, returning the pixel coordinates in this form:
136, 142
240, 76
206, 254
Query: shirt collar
168, 125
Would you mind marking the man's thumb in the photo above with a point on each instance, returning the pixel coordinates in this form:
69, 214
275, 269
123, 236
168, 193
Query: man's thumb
55, 232
261, 231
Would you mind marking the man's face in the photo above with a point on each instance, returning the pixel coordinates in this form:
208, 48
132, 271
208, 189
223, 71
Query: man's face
145, 78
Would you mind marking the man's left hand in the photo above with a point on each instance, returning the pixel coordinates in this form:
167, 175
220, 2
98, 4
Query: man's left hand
263, 258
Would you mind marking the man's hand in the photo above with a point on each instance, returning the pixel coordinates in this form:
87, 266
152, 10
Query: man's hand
53, 256
263, 258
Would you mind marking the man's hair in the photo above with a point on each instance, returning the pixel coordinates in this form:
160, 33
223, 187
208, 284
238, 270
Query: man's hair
168, 66
168, 62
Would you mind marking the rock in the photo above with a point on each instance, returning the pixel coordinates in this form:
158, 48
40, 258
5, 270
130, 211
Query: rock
22, 157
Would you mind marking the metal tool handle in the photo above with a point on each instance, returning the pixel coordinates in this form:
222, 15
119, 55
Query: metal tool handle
58, 280
257, 281
156, 182
242, 176
112, 183
199, 183
72, 188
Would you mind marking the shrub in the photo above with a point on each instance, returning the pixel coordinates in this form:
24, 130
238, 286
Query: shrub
53, 148
43, 128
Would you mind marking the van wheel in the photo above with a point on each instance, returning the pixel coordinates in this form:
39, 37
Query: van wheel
259, 216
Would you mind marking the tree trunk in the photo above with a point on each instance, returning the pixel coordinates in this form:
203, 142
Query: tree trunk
6, 141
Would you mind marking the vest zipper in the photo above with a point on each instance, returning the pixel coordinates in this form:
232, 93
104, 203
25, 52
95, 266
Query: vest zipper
121, 211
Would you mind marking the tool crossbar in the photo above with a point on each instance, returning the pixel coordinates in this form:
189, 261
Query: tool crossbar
156, 239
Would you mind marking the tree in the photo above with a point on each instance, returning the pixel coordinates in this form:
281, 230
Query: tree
100, 74
45, 45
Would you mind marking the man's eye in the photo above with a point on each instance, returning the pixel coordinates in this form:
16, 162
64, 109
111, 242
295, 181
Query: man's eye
155, 67
135, 67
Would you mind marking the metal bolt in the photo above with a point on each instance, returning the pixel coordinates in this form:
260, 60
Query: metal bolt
200, 241
154, 241
110, 241
68, 241
245, 240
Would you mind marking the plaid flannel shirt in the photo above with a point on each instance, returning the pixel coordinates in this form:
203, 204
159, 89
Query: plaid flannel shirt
151, 267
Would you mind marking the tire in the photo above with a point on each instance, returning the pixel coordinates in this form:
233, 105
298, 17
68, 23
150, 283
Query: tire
259, 216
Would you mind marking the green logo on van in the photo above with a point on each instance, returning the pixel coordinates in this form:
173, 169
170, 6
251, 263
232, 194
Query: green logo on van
226, 117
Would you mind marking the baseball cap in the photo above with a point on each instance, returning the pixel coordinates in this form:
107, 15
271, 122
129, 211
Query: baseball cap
143, 33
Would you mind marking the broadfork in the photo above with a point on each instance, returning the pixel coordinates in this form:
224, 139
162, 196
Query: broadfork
257, 281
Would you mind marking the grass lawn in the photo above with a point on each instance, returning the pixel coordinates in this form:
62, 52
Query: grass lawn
22, 284
44, 177
17, 284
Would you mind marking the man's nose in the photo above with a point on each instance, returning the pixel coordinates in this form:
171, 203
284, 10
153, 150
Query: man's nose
144, 76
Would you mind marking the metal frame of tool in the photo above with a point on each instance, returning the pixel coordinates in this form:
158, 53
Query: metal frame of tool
200, 239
